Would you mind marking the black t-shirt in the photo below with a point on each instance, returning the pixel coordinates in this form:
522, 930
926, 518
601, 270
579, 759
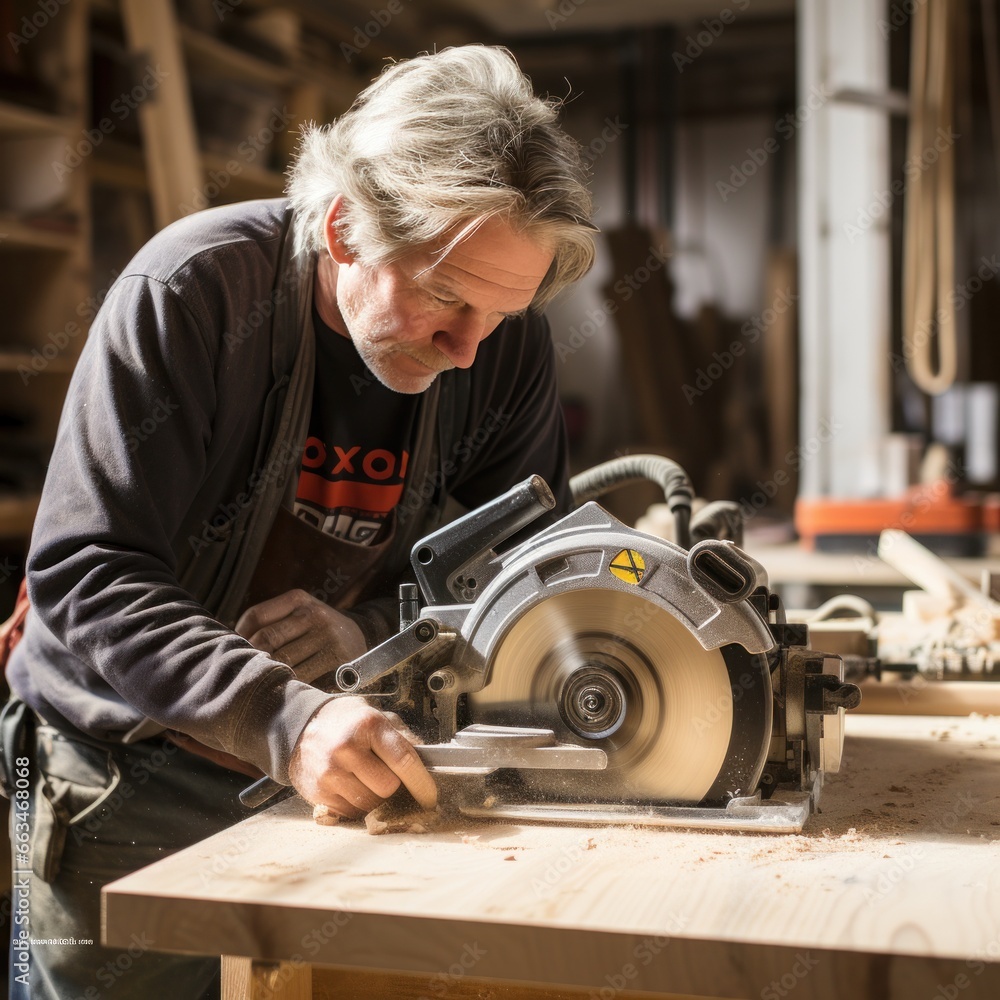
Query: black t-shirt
355, 458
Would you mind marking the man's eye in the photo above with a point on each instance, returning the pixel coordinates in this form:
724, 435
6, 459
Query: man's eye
444, 302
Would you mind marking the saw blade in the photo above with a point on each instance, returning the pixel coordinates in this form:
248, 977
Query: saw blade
613, 670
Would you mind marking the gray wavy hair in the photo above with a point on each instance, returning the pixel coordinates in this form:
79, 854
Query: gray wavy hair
443, 142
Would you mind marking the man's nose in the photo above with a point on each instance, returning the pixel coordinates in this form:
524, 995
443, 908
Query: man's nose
460, 340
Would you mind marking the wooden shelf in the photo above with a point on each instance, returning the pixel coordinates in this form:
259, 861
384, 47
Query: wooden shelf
217, 58
16, 233
17, 514
119, 164
12, 360
251, 181
44, 261
15, 119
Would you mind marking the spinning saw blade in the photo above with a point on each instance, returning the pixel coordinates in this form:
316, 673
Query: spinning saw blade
613, 670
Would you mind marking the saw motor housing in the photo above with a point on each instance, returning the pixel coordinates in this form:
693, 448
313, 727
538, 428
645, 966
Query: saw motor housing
677, 664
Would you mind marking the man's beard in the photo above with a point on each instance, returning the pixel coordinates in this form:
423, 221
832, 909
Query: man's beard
378, 353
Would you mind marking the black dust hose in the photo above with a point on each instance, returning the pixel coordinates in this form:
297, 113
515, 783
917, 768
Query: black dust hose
671, 478
719, 519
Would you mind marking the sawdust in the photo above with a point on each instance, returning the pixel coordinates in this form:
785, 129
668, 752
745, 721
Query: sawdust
401, 814
324, 816
899, 786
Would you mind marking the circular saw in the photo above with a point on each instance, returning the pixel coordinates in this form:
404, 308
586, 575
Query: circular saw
593, 673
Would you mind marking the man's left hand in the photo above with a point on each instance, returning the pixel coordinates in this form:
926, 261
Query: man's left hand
300, 630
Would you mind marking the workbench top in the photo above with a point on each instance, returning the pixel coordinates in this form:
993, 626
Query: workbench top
892, 890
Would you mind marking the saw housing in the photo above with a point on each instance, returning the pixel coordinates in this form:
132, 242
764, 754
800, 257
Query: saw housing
679, 695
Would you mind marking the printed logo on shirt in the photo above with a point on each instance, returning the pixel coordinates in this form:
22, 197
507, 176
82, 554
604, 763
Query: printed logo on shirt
348, 492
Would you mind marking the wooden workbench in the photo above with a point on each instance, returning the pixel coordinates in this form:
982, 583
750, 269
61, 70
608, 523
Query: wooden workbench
892, 892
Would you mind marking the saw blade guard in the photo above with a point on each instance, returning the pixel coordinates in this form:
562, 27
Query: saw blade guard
600, 633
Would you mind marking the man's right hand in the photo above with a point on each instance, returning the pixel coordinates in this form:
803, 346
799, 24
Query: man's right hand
351, 757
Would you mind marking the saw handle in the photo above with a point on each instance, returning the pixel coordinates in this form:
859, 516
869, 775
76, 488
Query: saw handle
439, 559
725, 571
265, 791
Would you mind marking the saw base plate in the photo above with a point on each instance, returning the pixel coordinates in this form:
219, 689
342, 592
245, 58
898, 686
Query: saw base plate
784, 812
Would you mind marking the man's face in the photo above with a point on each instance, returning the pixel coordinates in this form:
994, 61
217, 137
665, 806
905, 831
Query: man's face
425, 314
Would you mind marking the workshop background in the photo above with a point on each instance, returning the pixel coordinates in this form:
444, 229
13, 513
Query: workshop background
796, 293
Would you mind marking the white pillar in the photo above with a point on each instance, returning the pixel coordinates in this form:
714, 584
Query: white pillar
844, 249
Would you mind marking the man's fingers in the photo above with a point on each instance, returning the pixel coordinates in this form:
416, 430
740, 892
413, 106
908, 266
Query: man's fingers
267, 612
402, 727
278, 634
370, 770
299, 649
339, 805
350, 749
360, 798
399, 756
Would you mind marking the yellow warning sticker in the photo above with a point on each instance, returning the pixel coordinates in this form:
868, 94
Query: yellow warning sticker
628, 565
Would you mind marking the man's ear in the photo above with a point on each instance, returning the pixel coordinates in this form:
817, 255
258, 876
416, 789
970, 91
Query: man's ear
334, 244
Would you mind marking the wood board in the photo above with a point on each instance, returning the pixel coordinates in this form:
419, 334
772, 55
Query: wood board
892, 891
791, 563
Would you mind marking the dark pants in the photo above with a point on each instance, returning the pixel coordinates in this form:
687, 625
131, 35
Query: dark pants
94, 813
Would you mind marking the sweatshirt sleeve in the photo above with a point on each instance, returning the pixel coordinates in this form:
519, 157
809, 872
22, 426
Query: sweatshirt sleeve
130, 457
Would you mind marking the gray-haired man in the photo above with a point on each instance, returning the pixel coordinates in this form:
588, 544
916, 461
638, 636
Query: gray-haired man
311, 380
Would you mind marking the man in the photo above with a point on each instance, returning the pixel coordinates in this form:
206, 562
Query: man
275, 401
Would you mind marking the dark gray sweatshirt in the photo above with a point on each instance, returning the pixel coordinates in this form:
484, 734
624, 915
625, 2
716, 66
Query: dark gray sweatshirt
184, 422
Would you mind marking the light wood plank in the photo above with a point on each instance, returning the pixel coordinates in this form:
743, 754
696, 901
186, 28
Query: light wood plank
793, 564
166, 117
17, 119
922, 697
345, 984
894, 885
245, 979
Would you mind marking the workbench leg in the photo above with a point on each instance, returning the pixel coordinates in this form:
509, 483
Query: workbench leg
249, 979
